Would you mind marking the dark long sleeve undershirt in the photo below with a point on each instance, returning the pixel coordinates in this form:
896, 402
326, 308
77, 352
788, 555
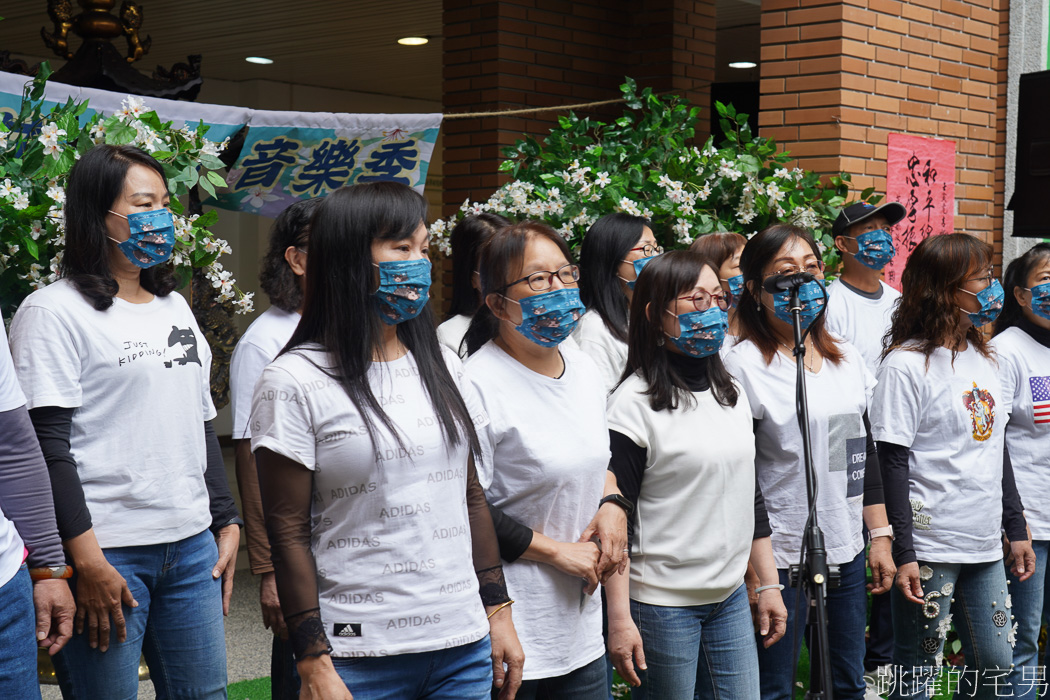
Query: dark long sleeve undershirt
52, 424
894, 460
25, 491
873, 491
220, 499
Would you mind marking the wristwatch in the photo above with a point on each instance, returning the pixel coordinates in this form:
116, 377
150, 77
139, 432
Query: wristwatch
618, 500
881, 532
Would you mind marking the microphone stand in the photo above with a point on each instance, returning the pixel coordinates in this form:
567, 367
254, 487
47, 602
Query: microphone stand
815, 575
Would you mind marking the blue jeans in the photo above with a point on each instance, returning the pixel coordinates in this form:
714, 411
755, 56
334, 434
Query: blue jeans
177, 626
18, 638
699, 650
847, 608
975, 597
448, 674
588, 682
1028, 611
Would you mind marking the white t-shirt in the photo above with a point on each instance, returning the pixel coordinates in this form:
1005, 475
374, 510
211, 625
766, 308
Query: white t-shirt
451, 332
952, 419
860, 320
391, 536
12, 549
838, 397
694, 517
138, 376
599, 344
549, 454
1024, 370
266, 337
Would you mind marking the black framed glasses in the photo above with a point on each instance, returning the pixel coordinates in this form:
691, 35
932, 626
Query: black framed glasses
648, 250
702, 301
542, 280
814, 268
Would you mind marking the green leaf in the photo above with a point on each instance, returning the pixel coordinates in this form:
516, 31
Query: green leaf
205, 185
162, 155
206, 219
31, 247
216, 179
176, 206
121, 134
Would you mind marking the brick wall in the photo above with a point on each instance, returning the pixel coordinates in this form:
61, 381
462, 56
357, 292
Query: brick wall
838, 77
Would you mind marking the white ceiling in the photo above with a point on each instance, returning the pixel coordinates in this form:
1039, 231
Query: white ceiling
342, 44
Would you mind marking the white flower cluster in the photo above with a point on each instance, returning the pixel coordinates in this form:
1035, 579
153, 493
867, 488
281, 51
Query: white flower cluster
49, 135
14, 194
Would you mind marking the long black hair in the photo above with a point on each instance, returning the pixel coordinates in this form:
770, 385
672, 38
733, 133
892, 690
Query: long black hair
276, 279
95, 183
465, 239
750, 317
501, 257
1017, 273
663, 280
341, 312
604, 247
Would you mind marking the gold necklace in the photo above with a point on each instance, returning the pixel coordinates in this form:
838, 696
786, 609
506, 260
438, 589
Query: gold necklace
805, 358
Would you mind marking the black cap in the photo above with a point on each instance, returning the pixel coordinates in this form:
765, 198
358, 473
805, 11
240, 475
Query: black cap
859, 211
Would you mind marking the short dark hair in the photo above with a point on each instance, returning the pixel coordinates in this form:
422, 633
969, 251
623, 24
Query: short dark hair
664, 279
927, 313
719, 246
95, 182
751, 322
276, 279
604, 247
1017, 276
500, 257
465, 239
341, 312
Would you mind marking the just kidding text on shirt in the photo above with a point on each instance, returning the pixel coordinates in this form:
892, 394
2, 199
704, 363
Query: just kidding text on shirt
390, 535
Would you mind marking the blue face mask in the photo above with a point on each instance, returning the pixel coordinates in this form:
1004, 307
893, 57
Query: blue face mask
736, 288
700, 333
1041, 300
991, 299
875, 249
638, 265
550, 317
812, 297
151, 239
404, 289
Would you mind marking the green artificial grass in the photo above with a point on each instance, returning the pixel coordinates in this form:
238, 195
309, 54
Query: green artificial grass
256, 689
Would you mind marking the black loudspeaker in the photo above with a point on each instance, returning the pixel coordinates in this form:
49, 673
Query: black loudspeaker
1032, 174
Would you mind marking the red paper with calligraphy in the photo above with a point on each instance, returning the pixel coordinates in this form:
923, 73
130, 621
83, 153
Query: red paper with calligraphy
920, 174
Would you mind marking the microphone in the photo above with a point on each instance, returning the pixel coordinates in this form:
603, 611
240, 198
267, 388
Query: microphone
782, 283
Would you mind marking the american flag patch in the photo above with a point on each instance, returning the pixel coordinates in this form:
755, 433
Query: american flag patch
1040, 398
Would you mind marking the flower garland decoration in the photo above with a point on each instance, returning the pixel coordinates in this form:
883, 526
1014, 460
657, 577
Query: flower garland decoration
37, 151
643, 164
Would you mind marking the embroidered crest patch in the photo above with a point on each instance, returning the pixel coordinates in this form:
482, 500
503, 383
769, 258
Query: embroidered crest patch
981, 406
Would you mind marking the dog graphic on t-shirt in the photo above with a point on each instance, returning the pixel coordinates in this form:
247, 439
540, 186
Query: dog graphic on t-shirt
187, 340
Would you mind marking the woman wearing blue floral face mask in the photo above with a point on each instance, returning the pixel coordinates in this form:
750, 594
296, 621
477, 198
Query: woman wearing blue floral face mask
1022, 344
847, 472
939, 414
723, 249
683, 450
115, 370
547, 456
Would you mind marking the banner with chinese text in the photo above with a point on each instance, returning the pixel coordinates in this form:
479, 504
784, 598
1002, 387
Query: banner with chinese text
920, 174
286, 155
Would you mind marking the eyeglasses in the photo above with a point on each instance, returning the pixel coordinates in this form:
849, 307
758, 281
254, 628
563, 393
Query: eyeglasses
648, 250
702, 301
813, 268
543, 280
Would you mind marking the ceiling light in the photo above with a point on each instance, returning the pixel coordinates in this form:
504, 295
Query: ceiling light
743, 64
413, 40
260, 60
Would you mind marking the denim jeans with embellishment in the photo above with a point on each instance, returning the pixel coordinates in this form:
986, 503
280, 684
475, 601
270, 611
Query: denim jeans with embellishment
457, 673
973, 597
18, 638
705, 651
1028, 597
177, 626
847, 607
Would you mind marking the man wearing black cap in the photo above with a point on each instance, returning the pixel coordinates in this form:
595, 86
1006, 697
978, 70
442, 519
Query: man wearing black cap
859, 309
860, 303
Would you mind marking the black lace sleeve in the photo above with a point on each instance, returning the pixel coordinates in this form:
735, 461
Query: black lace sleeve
286, 488
487, 565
